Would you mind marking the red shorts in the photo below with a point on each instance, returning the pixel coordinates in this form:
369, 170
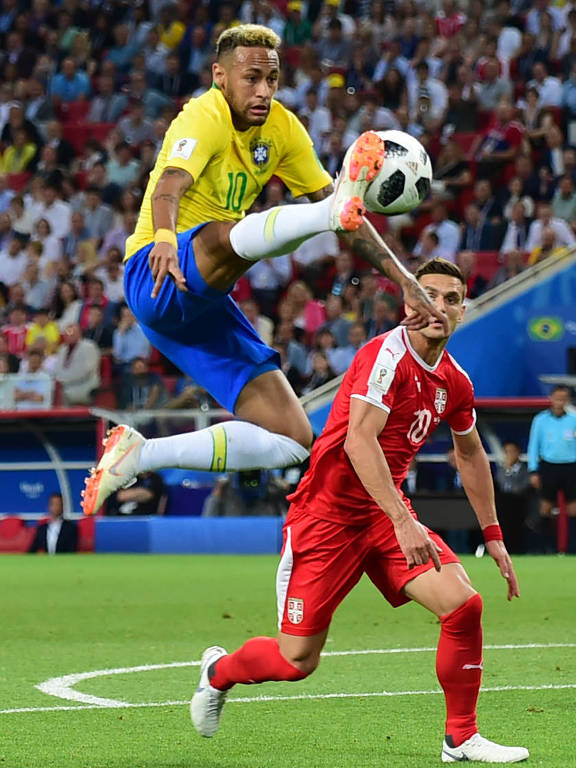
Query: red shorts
321, 561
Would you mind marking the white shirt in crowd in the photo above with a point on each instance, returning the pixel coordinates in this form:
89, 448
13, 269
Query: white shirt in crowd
549, 91
564, 235
52, 532
58, 215
12, 267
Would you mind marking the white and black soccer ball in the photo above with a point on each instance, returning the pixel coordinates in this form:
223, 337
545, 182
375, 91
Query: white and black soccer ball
405, 177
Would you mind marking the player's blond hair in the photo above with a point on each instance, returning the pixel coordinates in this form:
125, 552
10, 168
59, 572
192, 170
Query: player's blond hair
246, 35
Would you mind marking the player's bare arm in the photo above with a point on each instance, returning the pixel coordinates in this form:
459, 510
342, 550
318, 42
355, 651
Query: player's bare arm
366, 422
367, 243
474, 470
163, 258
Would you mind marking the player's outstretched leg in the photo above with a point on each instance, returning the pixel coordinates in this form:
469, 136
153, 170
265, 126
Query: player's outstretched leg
207, 702
281, 230
480, 750
259, 660
228, 447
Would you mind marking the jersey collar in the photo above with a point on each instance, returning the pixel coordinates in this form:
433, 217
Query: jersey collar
416, 356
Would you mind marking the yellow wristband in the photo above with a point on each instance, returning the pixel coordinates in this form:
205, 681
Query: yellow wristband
166, 236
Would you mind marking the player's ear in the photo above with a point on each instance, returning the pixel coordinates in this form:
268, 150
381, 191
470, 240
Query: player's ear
218, 74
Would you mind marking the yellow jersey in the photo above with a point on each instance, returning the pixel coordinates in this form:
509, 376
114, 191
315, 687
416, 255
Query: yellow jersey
229, 167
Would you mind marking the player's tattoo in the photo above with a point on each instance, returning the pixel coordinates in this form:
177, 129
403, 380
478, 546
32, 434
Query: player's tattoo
321, 194
166, 196
369, 251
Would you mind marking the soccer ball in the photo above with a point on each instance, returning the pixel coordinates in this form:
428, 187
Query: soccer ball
405, 177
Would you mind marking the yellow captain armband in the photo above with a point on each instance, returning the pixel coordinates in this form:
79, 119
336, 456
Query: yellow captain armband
166, 236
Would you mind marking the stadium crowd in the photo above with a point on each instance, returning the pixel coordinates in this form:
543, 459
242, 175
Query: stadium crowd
89, 87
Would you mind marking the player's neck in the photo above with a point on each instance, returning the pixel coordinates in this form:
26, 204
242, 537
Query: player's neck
428, 350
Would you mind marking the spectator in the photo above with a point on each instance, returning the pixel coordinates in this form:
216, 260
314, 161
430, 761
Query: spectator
552, 459
547, 248
552, 158
13, 262
564, 235
569, 86
123, 50
515, 196
43, 326
516, 233
335, 321
78, 367
341, 357
57, 212
487, 202
107, 105
79, 233
475, 283
97, 330
97, 216
65, 152
51, 246
564, 200
334, 49
6, 194
122, 168
452, 172
145, 497
94, 296
69, 84
425, 86
140, 388
513, 265
384, 316
18, 122
512, 483
19, 156
171, 82
129, 341
321, 372
253, 492
38, 107
494, 88
297, 29
448, 232
135, 128
477, 234
115, 239
66, 305
319, 118
111, 273
33, 387
549, 88
12, 361
502, 143
263, 326
57, 535
15, 331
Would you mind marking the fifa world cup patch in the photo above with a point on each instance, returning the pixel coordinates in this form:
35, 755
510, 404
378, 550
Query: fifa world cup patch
295, 610
183, 148
440, 400
381, 378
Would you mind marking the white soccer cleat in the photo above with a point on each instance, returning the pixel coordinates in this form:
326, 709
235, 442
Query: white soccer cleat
207, 702
481, 750
361, 165
116, 469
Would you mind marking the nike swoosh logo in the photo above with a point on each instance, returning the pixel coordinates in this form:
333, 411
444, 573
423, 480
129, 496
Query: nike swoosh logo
113, 467
472, 666
463, 759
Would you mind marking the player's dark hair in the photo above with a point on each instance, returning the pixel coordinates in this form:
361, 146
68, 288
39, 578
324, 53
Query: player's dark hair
440, 267
560, 388
246, 35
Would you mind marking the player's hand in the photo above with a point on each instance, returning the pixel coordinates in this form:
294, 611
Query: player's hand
415, 543
497, 551
163, 262
421, 304
536, 481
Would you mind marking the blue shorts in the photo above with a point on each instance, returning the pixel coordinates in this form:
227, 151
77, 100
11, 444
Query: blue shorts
202, 332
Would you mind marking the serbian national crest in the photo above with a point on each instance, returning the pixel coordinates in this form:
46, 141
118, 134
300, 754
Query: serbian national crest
295, 610
440, 400
260, 150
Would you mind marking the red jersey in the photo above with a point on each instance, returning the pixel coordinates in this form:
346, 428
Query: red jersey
387, 373
16, 337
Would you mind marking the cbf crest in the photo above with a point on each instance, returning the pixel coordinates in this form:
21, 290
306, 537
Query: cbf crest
260, 151
440, 400
295, 610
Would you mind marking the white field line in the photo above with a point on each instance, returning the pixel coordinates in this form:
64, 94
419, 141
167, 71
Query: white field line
299, 697
62, 687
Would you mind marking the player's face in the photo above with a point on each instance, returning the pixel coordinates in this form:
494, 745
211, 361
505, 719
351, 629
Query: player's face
248, 78
447, 293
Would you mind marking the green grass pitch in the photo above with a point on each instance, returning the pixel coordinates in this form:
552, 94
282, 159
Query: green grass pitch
66, 615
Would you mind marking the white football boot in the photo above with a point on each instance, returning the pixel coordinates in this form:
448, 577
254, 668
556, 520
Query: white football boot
207, 702
116, 469
361, 165
481, 750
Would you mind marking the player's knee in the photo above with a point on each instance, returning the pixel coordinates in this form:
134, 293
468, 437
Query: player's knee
467, 614
304, 663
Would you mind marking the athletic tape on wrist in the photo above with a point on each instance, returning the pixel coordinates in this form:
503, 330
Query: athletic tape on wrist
492, 533
166, 236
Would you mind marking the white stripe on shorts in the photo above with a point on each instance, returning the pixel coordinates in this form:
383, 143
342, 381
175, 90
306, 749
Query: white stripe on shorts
283, 576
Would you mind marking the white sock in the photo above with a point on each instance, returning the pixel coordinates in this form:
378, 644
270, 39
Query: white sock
230, 446
279, 230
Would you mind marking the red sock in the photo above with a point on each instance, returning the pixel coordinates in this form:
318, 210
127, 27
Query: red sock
257, 661
459, 667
